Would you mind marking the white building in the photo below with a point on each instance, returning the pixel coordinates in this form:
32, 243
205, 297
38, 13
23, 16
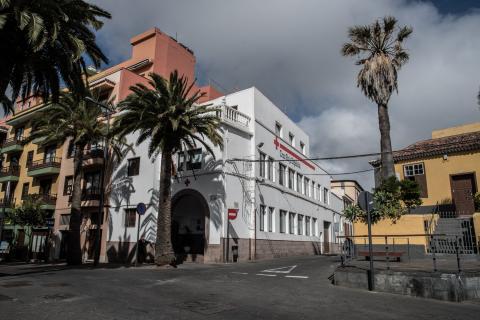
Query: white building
283, 207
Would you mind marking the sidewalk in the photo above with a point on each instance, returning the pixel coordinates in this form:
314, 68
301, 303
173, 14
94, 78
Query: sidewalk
20, 268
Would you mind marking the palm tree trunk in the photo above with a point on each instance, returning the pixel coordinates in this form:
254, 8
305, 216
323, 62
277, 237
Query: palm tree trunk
387, 168
163, 247
74, 256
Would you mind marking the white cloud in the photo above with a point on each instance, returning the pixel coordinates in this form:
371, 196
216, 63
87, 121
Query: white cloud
290, 51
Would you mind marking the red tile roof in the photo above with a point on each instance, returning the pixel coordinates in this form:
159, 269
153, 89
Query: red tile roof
440, 146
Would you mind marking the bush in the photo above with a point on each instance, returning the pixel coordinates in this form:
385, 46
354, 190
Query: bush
477, 202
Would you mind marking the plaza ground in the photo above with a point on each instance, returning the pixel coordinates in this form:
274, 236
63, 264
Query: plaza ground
290, 288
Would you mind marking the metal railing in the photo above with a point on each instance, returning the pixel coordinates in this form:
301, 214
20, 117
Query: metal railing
231, 115
45, 163
46, 198
93, 153
13, 141
91, 193
7, 203
13, 170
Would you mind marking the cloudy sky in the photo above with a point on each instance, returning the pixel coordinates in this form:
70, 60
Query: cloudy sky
290, 50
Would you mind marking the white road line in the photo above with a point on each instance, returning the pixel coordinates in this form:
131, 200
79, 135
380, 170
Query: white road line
297, 277
266, 275
240, 272
287, 269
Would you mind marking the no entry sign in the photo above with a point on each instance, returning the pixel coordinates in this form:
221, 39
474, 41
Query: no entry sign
232, 214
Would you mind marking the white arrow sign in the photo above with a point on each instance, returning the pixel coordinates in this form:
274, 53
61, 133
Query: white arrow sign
287, 269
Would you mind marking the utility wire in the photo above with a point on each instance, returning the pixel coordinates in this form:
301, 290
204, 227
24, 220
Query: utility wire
363, 155
338, 173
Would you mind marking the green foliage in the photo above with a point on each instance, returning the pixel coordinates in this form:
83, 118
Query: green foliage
28, 214
390, 201
380, 54
46, 44
477, 202
168, 116
73, 118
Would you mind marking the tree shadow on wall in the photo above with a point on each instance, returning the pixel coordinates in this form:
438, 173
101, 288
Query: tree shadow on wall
122, 253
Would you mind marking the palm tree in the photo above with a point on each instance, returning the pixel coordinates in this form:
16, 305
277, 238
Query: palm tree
79, 121
381, 55
44, 45
168, 116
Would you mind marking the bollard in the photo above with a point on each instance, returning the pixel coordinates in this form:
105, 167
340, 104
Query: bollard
458, 255
386, 253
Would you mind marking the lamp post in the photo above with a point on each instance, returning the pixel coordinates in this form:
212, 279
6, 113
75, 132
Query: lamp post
109, 111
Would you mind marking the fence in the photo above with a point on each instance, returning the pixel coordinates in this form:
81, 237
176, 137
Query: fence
442, 251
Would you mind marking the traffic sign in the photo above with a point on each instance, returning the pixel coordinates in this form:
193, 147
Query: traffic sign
141, 208
232, 213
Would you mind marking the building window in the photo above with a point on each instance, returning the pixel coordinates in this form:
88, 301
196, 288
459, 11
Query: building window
71, 149
291, 223
181, 161
133, 167
91, 182
299, 182
19, 133
319, 187
130, 217
306, 187
416, 172
68, 186
302, 147
413, 169
25, 190
291, 177
194, 159
314, 227
325, 195
49, 154
291, 139
261, 164
262, 217
281, 174
300, 225
283, 221
278, 129
270, 169
307, 226
29, 158
271, 212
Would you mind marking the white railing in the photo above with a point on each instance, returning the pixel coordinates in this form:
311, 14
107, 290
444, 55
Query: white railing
232, 116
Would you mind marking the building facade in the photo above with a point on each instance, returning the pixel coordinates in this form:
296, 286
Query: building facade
447, 168
282, 201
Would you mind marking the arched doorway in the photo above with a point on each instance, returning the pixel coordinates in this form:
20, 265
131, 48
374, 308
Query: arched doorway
190, 216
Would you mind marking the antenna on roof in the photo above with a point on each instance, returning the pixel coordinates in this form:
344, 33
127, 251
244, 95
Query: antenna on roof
176, 38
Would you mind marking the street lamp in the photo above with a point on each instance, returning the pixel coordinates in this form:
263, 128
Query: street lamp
108, 112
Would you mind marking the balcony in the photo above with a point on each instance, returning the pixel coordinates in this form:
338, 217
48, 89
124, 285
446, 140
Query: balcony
12, 145
234, 118
7, 205
93, 157
48, 200
45, 167
10, 173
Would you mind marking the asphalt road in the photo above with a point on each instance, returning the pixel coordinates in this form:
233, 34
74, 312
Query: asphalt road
235, 291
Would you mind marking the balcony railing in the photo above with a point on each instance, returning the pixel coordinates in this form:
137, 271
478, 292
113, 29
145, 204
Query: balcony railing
45, 163
7, 203
46, 198
91, 194
94, 153
232, 116
13, 141
12, 170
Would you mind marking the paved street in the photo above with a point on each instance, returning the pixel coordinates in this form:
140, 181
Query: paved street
292, 288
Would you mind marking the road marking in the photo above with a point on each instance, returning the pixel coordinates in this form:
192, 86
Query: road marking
281, 269
266, 275
240, 272
297, 277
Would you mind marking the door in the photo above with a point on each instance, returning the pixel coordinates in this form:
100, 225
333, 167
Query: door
463, 189
45, 187
326, 237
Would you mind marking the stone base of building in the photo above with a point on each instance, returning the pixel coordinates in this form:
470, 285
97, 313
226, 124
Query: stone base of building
239, 250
